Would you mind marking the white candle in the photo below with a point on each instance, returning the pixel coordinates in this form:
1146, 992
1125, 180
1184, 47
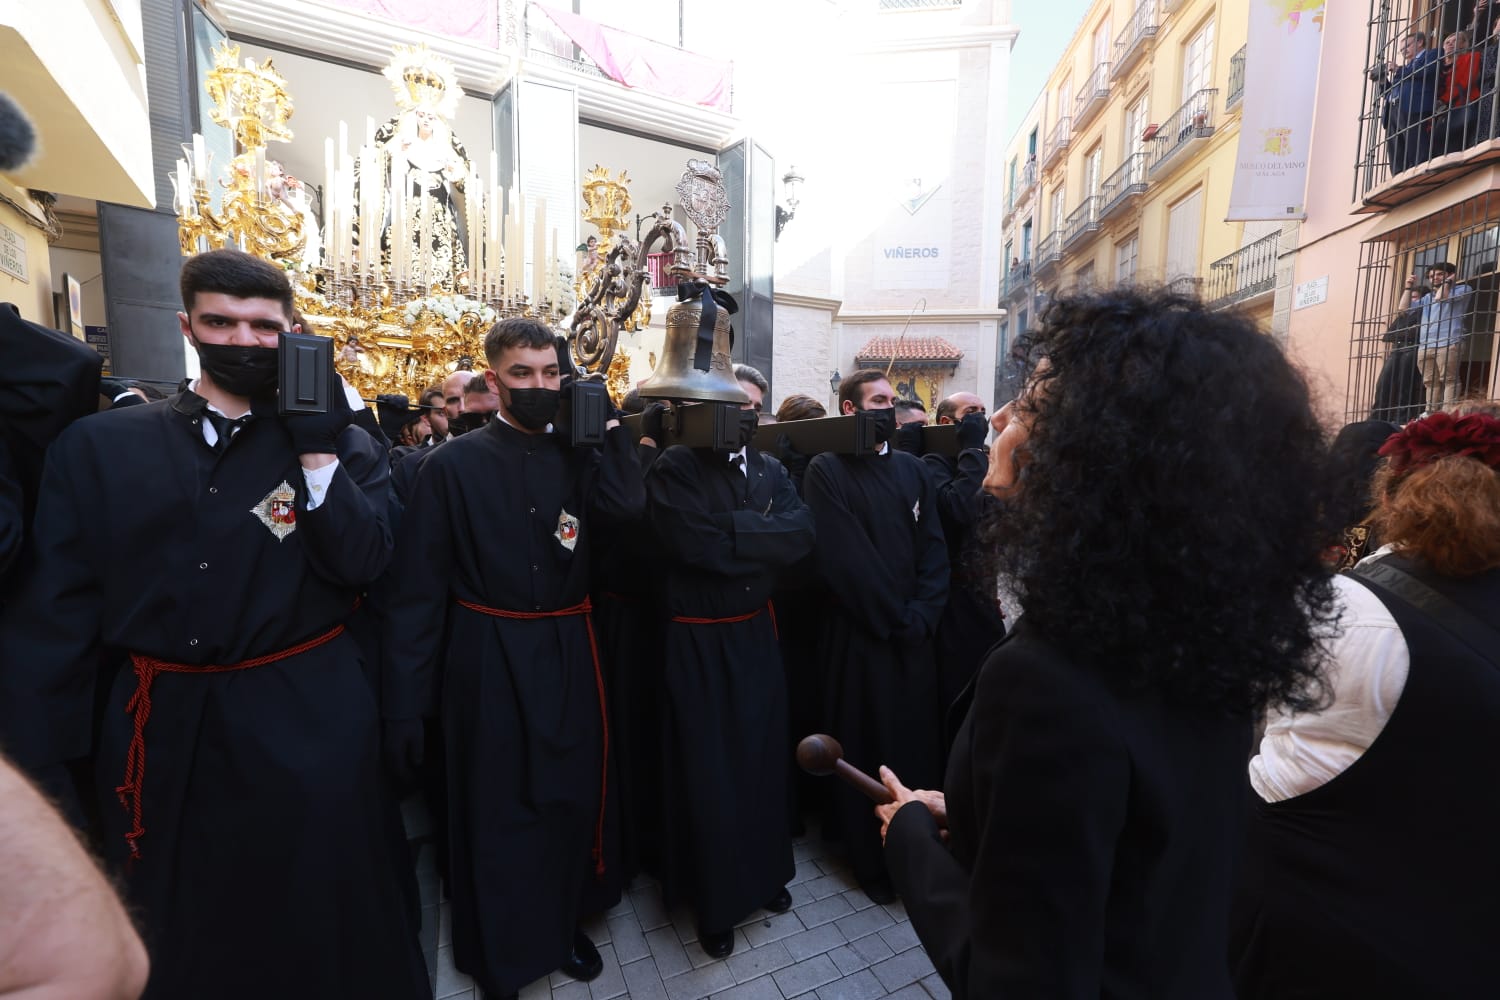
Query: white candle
200, 159
260, 171
327, 198
424, 244
539, 253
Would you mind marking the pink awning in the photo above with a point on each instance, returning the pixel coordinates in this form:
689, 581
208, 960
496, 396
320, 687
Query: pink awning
470, 20
647, 65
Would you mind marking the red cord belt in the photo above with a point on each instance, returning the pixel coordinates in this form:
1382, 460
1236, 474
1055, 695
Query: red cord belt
586, 610
139, 709
769, 609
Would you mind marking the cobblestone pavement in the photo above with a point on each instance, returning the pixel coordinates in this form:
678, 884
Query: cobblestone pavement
834, 944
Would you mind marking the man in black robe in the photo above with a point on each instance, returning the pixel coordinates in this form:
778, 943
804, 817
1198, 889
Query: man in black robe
221, 551
971, 621
726, 525
880, 549
492, 610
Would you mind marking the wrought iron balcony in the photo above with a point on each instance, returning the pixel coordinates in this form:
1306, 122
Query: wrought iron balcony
1057, 140
1124, 184
1018, 282
1185, 284
1092, 97
1026, 180
1048, 253
1083, 221
1248, 272
1131, 44
1236, 79
1189, 124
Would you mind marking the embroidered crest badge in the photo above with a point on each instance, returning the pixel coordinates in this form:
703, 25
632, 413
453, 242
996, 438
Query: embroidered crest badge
916, 511
567, 530
278, 511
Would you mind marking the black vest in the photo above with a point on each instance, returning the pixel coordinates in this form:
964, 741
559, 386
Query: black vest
1385, 882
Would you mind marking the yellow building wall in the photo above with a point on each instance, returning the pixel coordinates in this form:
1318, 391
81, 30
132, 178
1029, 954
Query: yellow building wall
34, 295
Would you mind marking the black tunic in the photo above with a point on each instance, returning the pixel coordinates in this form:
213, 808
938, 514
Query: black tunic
971, 621
266, 867
724, 534
1092, 842
1382, 882
506, 520
880, 549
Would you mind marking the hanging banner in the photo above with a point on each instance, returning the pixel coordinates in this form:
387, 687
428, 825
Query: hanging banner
1281, 75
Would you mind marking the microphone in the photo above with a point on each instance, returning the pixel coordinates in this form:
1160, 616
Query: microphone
17, 136
822, 755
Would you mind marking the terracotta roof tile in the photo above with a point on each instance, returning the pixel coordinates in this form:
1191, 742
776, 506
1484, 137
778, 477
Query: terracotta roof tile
880, 349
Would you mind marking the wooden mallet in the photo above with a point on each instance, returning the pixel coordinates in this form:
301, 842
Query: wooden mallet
822, 755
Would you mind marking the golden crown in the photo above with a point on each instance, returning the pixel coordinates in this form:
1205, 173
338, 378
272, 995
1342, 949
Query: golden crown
422, 79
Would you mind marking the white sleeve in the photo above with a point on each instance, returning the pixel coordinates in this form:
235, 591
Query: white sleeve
318, 481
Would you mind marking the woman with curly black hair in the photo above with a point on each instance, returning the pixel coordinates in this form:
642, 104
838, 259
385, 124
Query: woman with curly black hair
1161, 528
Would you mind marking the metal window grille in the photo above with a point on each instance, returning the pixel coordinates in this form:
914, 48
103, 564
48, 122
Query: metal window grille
1426, 117
1236, 78
1385, 341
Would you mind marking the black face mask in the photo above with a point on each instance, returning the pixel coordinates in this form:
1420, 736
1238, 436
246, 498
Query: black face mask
249, 372
749, 423
533, 409
465, 422
908, 438
885, 424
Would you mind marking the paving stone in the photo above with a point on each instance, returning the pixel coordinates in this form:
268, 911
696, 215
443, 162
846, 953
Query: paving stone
667, 951
764, 988
450, 982
858, 899
827, 885
571, 990
900, 937
685, 925
831, 865
903, 969
806, 870
857, 925
814, 942
629, 940
539, 990
773, 928
936, 988
860, 986
644, 981
700, 982
800, 894
912, 992
823, 911
610, 983
755, 962
803, 851
806, 976
872, 949
649, 911
597, 928
848, 960
699, 958
897, 910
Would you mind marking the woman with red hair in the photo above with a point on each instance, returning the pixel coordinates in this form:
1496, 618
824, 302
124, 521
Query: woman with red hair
1458, 91
1371, 868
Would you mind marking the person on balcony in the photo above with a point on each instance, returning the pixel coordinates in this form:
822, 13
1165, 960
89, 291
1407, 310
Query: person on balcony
1398, 388
1446, 313
1484, 127
1458, 95
1410, 91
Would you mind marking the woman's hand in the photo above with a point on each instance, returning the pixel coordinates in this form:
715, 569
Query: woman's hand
901, 795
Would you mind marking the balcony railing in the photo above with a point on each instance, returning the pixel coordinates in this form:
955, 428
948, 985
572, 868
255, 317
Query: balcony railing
917, 4
1083, 221
1092, 97
1122, 185
1189, 123
1236, 79
1244, 274
1026, 179
1017, 281
1048, 252
1185, 284
1131, 44
1057, 140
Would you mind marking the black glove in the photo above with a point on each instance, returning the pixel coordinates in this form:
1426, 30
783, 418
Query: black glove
908, 438
972, 430
651, 421
318, 433
792, 460
402, 744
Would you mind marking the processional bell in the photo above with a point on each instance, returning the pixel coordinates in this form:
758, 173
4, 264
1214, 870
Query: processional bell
695, 363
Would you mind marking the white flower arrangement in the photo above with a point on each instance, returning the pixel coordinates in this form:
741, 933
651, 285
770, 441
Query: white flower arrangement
447, 307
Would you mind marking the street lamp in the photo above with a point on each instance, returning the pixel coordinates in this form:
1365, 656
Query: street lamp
789, 181
833, 387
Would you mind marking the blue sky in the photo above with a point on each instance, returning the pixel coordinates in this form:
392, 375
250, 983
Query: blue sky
1046, 26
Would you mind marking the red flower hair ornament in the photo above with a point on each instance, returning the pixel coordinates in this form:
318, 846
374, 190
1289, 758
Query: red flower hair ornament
1424, 441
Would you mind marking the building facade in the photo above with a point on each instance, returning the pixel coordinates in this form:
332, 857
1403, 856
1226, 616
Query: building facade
1397, 182
1122, 171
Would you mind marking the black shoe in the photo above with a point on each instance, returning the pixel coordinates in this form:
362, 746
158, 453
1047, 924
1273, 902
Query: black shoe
717, 944
879, 890
781, 902
584, 964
